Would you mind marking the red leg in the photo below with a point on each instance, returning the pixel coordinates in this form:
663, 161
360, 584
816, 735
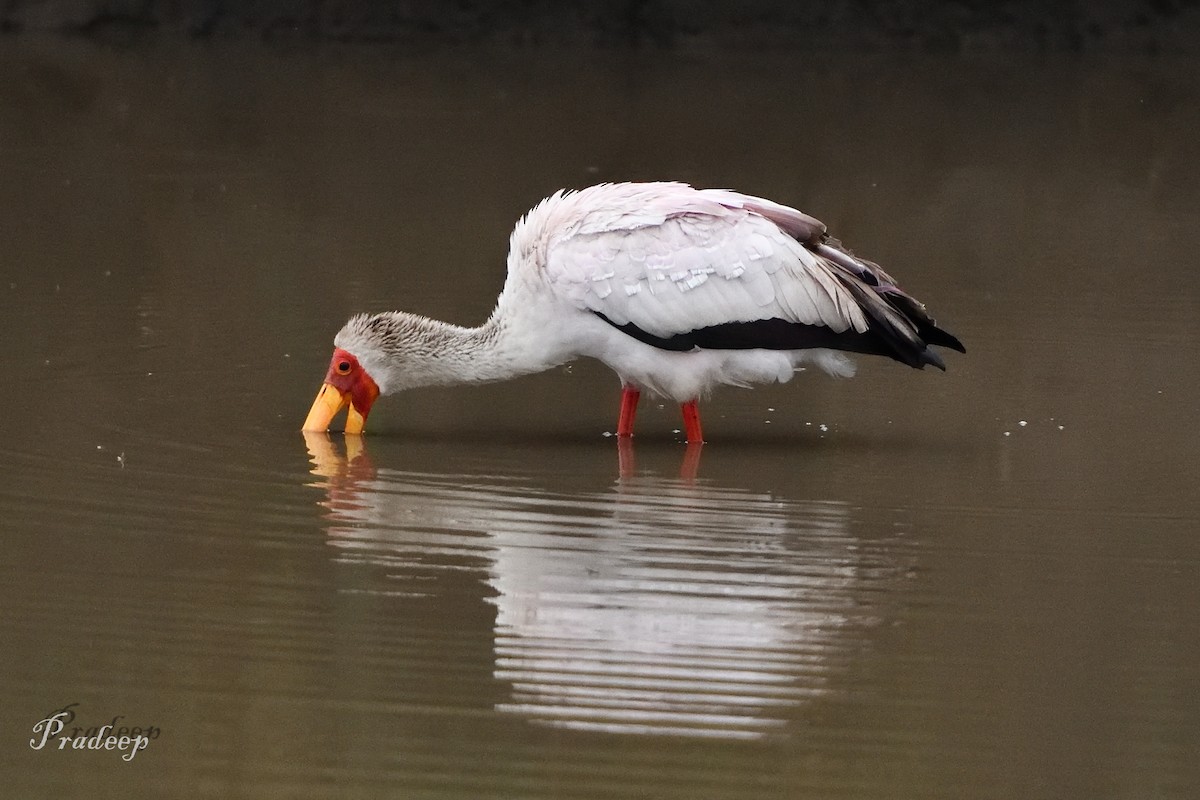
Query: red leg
629, 401
626, 464
691, 462
691, 422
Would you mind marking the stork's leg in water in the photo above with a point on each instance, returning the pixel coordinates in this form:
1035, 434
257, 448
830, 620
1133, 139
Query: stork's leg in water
629, 401
626, 464
691, 422
689, 468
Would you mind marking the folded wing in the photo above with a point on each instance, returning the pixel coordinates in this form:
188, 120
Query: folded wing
679, 268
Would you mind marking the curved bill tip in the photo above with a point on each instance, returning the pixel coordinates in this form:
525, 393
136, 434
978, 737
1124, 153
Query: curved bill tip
328, 402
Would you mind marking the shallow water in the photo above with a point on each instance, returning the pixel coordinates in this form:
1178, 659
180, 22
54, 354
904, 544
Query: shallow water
977, 584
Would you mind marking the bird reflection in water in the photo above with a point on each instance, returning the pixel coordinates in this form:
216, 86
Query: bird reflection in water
650, 606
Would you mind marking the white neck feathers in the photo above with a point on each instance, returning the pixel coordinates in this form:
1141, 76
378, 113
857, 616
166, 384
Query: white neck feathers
403, 351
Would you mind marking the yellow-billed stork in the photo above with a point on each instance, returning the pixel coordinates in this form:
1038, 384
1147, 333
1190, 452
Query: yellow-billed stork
677, 289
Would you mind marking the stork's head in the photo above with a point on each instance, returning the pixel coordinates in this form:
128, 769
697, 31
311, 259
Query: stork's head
357, 375
378, 354
347, 383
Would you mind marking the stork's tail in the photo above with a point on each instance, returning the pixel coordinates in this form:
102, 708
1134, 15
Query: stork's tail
899, 319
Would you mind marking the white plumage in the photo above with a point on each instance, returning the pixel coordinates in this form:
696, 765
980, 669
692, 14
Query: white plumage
670, 259
676, 289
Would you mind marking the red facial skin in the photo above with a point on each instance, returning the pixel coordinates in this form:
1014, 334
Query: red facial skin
347, 376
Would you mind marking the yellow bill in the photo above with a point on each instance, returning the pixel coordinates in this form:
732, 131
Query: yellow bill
329, 401
346, 384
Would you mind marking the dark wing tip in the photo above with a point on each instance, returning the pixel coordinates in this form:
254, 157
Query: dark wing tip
932, 334
929, 357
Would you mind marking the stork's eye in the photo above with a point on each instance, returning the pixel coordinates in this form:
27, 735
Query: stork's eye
343, 368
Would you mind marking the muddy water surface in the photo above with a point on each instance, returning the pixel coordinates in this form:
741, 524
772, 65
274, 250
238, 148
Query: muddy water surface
976, 584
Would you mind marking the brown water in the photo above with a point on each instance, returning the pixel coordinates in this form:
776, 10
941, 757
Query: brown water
981, 584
